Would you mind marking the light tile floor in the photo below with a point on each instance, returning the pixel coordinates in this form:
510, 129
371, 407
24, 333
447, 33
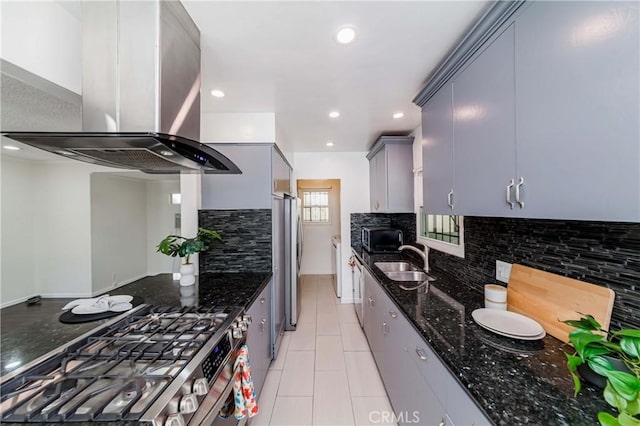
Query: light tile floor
324, 373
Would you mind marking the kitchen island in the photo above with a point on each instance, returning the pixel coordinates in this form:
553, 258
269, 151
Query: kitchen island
23, 342
512, 381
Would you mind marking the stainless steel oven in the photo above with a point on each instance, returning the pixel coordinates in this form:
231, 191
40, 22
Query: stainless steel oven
160, 366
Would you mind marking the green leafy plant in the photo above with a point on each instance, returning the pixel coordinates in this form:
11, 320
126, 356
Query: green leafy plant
592, 345
176, 245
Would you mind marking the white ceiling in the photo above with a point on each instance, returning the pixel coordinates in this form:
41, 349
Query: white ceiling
281, 57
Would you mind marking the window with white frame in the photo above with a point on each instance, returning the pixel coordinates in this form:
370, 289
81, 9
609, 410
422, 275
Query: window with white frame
315, 206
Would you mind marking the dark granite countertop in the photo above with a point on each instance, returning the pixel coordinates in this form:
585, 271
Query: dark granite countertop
513, 381
24, 341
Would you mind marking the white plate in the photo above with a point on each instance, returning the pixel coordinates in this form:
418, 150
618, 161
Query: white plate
508, 323
538, 337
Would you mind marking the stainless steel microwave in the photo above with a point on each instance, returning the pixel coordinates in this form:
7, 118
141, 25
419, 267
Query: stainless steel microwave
380, 240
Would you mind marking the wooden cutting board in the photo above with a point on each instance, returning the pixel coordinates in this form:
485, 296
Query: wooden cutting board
548, 297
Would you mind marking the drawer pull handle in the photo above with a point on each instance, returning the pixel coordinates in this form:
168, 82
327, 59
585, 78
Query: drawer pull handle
372, 303
385, 328
393, 314
442, 423
422, 355
262, 324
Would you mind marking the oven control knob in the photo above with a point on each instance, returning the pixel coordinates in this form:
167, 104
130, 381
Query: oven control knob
175, 420
201, 386
236, 332
188, 403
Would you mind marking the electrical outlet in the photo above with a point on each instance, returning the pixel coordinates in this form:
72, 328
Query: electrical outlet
503, 271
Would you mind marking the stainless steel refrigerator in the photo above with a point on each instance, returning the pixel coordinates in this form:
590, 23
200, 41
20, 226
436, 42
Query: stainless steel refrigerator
293, 241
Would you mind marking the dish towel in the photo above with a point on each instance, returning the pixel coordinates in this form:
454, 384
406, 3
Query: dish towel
242, 401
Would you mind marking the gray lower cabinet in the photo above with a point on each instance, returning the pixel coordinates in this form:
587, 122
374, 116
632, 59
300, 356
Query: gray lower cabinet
258, 338
437, 153
421, 389
391, 175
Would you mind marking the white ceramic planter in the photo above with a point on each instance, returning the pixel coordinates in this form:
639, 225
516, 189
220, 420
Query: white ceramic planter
187, 274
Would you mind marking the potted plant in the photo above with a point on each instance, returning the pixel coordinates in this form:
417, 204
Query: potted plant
176, 245
599, 350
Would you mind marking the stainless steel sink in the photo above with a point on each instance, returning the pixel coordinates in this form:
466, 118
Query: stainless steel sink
409, 276
395, 266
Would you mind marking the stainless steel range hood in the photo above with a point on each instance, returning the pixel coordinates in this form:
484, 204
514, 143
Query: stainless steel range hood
140, 92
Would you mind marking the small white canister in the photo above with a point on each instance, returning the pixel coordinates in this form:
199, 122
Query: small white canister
495, 297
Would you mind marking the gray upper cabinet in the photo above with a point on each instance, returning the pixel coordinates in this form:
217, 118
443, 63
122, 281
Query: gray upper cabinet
546, 121
437, 153
281, 173
391, 175
577, 105
484, 126
265, 173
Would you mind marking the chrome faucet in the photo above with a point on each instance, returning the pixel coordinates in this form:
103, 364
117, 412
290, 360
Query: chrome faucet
423, 254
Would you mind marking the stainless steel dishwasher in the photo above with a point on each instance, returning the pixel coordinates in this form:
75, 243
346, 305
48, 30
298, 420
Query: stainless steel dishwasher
357, 286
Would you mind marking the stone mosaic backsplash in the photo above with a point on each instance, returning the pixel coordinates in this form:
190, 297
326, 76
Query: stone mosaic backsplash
602, 253
246, 240
404, 221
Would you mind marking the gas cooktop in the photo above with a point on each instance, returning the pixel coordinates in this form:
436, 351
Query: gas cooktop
154, 364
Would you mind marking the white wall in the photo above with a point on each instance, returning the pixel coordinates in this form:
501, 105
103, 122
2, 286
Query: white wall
352, 168
18, 252
160, 223
118, 230
237, 127
43, 38
63, 229
318, 250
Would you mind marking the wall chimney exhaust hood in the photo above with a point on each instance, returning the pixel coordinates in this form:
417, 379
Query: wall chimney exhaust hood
140, 92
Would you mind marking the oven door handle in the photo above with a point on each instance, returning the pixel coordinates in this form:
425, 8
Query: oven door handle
211, 414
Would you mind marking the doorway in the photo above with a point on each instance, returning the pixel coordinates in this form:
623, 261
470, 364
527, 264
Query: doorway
320, 223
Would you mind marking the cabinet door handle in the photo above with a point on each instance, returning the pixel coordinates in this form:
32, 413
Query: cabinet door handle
422, 355
442, 423
262, 324
372, 303
385, 328
511, 203
520, 183
393, 314
450, 199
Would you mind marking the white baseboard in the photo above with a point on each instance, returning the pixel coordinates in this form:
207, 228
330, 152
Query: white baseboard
345, 301
72, 295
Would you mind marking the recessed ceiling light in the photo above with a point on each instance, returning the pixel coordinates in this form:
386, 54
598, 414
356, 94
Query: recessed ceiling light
11, 147
334, 114
346, 34
398, 115
217, 93
330, 143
